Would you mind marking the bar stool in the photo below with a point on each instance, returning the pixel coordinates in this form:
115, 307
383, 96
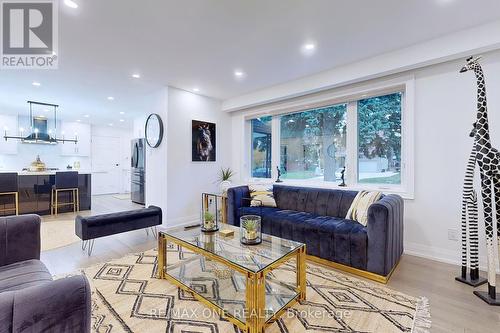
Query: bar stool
9, 186
65, 182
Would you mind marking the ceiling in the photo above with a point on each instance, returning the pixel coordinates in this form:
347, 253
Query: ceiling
200, 43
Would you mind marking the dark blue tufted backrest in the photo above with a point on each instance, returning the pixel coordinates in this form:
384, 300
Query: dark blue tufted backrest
319, 201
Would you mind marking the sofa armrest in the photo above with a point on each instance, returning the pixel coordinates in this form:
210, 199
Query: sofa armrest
59, 306
19, 238
235, 196
385, 234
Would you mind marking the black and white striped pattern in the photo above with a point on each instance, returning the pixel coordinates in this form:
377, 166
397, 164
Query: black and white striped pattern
488, 161
470, 234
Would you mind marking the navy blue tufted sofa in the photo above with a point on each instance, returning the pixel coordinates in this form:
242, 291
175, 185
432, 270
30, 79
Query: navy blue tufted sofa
316, 217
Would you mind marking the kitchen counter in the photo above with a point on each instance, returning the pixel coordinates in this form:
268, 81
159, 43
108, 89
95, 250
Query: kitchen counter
35, 191
44, 173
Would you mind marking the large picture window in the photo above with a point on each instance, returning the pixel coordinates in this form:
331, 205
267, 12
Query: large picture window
261, 147
363, 135
313, 143
379, 140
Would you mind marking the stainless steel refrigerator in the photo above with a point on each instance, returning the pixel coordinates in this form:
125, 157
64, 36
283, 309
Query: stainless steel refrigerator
138, 170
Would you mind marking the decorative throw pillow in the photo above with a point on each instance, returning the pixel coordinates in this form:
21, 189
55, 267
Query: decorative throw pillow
262, 195
359, 207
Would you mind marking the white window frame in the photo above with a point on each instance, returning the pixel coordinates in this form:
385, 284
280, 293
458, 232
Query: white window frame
351, 96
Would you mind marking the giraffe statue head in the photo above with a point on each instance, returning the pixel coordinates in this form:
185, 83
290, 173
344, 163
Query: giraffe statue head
473, 131
472, 64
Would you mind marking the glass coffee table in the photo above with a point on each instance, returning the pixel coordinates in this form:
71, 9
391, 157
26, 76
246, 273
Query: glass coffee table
249, 285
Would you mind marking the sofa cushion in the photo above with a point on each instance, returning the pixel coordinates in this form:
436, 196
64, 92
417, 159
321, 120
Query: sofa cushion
359, 207
317, 201
262, 195
287, 223
23, 274
343, 241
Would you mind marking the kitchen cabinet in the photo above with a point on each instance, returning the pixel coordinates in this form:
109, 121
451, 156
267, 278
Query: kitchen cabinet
8, 123
82, 147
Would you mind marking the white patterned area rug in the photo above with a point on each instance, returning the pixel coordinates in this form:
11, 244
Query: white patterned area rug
127, 297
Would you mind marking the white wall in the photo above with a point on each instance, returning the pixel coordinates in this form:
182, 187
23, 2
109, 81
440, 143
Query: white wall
187, 179
156, 158
445, 108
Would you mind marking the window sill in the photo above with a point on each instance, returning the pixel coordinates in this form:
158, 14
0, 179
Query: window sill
399, 190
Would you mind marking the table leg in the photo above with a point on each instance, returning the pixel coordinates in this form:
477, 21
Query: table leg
255, 302
301, 273
162, 256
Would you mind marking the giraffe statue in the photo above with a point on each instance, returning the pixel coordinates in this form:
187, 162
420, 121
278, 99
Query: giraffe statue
488, 160
470, 223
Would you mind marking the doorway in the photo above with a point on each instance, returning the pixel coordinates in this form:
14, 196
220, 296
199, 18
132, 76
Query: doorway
106, 165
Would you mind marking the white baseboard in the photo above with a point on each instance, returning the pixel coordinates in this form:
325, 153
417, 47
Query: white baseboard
181, 221
441, 255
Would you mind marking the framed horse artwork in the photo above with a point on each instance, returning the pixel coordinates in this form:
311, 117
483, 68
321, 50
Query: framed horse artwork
203, 141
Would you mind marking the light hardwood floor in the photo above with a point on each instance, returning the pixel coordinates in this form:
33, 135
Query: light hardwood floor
453, 306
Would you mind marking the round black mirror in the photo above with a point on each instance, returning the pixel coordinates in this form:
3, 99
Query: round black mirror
154, 130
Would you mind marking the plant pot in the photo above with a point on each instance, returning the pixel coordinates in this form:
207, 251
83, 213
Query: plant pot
251, 235
224, 186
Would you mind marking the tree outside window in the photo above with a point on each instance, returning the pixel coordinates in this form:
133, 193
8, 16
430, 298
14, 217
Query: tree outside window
379, 140
313, 143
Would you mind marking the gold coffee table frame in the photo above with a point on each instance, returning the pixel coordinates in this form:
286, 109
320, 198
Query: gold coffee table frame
255, 283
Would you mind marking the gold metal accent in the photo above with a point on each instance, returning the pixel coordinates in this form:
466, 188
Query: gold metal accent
37, 165
16, 203
355, 271
226, 232
255, 297
54, 200
224, 208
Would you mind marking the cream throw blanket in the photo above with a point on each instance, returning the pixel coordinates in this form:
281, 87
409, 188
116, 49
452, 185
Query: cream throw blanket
359, 207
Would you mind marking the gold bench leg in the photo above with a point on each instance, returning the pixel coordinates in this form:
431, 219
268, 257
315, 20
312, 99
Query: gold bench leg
17, 202
57, 203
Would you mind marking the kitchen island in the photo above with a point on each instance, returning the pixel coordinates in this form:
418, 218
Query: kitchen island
35, 191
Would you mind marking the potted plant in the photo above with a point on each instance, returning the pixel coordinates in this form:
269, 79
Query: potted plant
208, 221
250, 229
224, 179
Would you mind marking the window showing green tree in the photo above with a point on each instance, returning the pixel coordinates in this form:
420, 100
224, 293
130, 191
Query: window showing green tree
313, 143
261, 147
379, 139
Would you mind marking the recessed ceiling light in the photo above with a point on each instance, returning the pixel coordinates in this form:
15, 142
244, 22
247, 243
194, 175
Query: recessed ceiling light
36, 84
122, 120
121, 112
308, 48
78, 120
71, 4
239, 73
136, 76
111, 98
110, 124
445, 2
196, 89
86, 115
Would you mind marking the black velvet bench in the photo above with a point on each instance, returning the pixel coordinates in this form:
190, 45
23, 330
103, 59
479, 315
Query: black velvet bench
91, 227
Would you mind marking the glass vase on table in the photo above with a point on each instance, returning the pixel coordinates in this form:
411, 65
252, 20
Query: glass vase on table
209, 213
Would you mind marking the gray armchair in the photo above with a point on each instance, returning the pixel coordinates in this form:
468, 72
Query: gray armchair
30, 301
